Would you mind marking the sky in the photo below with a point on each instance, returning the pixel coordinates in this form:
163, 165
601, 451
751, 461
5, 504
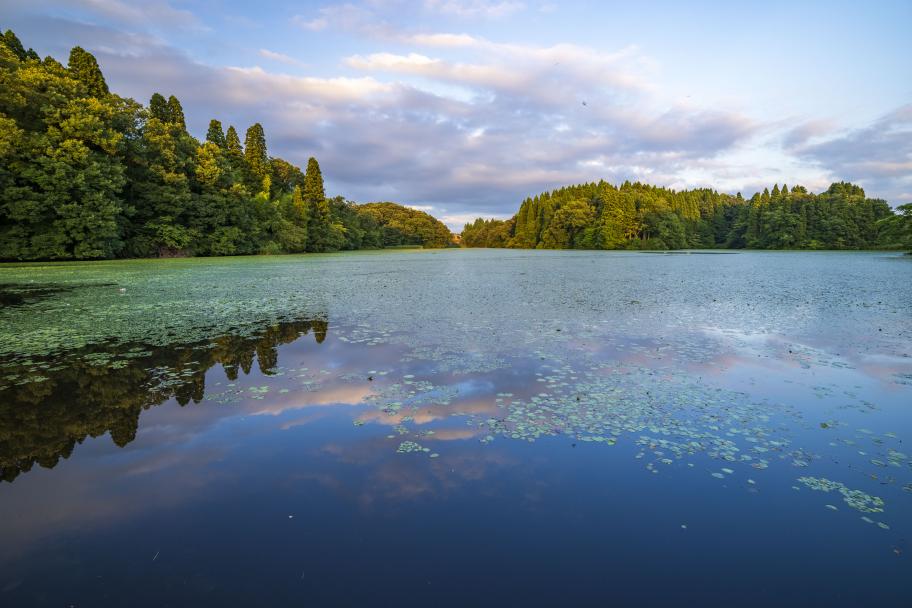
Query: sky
463, 108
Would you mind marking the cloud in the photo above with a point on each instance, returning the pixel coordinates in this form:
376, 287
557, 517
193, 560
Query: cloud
279, 57
877, 156
485, 9
345, 17
475, 152
314, 25
450, 121
442, 40
146, 14
159, 12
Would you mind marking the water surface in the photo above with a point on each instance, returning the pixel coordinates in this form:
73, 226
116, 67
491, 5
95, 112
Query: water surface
457, 428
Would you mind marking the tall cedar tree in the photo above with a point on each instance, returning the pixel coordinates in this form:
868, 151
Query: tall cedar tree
215, 134
85, 69
176, 113
255, 153
158, 108
13, 43
233, 142
319, 218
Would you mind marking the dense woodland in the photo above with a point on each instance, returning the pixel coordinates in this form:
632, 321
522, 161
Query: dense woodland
639, 216
85, 173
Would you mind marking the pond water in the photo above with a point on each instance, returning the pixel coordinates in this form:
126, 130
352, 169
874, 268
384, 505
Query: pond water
458, 427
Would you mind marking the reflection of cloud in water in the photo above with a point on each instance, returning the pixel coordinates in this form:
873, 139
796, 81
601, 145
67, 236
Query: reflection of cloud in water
427, 414
343, 396
381, 478
104, 493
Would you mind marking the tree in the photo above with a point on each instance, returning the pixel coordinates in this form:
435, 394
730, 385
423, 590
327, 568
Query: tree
293, 231
320, 232
233, 142
896, 230
158, 108
255, 153
313, 182
215, 134
403, 226
13, 43
85, 69
176, 113
568, 222
61, 165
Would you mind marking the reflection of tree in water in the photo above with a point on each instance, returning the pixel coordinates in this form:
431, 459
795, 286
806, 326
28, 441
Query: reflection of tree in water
42, 421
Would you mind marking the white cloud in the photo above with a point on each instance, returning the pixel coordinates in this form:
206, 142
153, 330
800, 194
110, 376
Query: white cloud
468, 126
158, 12
314, 25
486, 9
878, 156
279, 57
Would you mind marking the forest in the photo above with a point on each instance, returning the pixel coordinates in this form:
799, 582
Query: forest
87, 174
639, 216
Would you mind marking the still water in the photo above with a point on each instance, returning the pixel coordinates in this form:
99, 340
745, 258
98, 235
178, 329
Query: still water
467, 427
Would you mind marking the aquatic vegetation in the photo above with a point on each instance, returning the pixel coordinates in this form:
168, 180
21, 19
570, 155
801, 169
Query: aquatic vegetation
854, 498
607, 364
410, 446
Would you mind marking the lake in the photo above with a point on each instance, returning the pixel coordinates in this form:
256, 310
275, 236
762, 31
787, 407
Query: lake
458, 427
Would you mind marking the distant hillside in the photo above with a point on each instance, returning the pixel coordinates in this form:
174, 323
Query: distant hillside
639, 216
405, 226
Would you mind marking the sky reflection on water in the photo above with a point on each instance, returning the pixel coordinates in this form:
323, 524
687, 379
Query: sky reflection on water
585, 460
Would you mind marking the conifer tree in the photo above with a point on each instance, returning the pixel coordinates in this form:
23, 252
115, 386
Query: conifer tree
85, 69
255, 153
12, 42
215, 134
158, 108
233, 142
176, 113
313, 182
322, 235
51, 63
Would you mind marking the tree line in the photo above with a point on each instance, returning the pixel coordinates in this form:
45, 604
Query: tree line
639, 216
87, 174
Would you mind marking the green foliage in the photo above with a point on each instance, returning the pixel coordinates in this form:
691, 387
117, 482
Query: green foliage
12, 42
87, 174
487, 233
639, 216
896, 230
62, 172
216, 135
313, 182
158, 108
234, 142
255, 153
176, 113
85, 69
323, 233
404, 226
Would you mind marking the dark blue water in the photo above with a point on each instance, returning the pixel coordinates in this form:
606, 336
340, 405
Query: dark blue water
607, 447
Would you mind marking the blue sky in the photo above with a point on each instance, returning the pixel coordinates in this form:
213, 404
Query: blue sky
464, 107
